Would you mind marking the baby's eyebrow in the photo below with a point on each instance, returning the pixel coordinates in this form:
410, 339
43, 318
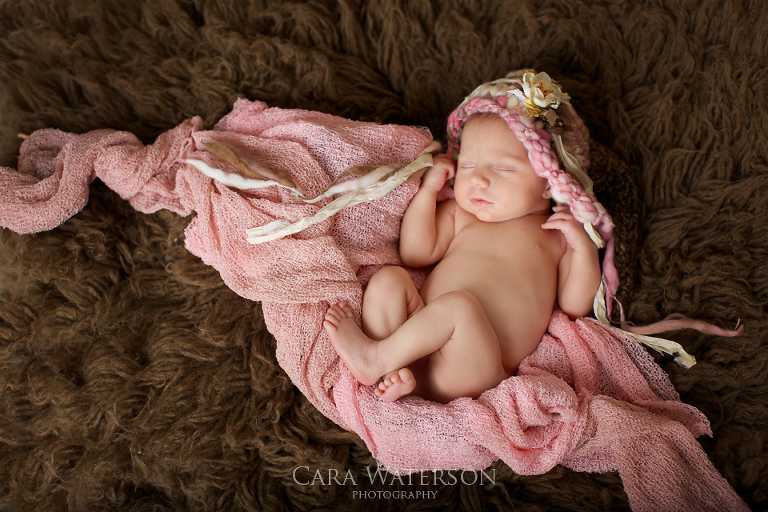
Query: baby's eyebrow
512, 158
507, 161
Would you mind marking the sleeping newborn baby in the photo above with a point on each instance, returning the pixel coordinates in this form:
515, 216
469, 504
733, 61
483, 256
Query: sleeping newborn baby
504, 258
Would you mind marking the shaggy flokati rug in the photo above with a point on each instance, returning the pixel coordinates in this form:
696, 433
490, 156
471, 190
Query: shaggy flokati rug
132, 378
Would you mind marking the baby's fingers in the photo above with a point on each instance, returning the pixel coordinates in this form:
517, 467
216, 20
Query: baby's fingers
436, 176
553, 223
443, 162
562, 216
562, 211
574, 232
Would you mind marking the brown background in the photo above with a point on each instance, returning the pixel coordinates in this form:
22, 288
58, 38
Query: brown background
131, 378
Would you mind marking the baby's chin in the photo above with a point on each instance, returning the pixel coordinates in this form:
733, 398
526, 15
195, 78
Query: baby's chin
487, 214
490, 214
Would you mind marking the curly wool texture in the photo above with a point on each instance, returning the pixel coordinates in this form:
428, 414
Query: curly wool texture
131, 376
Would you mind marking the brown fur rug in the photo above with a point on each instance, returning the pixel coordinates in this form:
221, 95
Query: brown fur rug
132, 378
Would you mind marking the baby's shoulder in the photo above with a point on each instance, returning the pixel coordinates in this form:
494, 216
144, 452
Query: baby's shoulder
446, 210
551, 240
448, 204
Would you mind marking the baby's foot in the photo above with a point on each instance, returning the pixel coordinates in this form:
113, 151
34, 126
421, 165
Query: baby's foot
395, 385
352, 345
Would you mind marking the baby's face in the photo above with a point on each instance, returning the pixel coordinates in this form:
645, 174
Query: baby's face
494, 178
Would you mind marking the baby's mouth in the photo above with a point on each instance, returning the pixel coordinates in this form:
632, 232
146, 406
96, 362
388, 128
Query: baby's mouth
478, 201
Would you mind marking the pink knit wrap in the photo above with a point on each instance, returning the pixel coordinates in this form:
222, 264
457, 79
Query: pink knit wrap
589, 397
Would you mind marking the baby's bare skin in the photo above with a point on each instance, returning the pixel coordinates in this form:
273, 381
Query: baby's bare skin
502, 263
511, 267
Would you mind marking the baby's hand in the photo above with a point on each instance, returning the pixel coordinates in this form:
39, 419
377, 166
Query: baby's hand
441, 171
573, 230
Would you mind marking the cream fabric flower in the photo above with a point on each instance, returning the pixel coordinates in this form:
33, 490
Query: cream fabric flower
541, 95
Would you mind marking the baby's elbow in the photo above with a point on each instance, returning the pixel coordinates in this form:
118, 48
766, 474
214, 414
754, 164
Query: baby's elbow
414, 260
576, 307
409, 261
575, 313
419, 257
409, 256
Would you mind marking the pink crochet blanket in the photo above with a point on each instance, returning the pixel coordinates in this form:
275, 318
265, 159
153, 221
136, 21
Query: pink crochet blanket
589, 397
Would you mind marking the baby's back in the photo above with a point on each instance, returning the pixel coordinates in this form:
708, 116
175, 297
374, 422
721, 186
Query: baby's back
511, 268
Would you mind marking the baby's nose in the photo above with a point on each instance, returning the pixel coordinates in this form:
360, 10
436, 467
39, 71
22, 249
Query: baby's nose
479, 178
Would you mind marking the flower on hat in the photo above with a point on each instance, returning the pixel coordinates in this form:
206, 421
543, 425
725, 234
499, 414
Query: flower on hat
541, 95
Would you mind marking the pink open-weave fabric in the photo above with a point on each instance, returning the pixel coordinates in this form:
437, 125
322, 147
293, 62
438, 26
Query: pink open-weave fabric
589, 397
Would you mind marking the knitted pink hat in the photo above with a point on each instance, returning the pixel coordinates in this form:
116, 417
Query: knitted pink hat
541, 116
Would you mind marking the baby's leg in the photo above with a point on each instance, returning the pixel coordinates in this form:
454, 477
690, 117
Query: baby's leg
390, 299
465, 355
470, 362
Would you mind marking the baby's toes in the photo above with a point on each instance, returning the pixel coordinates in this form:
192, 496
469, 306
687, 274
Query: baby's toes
330, 320
345, 310
334, 314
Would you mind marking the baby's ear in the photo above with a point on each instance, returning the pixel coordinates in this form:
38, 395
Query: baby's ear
547, 192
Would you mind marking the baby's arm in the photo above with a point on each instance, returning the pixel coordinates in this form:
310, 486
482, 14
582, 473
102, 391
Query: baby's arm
579, 269
427, 229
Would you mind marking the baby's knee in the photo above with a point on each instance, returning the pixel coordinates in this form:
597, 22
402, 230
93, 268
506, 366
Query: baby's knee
461, 302
388, 280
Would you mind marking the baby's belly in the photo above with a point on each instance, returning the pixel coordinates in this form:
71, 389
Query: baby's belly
517, 301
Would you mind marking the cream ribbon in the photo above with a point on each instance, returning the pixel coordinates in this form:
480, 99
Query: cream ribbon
665, 346
373, 185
